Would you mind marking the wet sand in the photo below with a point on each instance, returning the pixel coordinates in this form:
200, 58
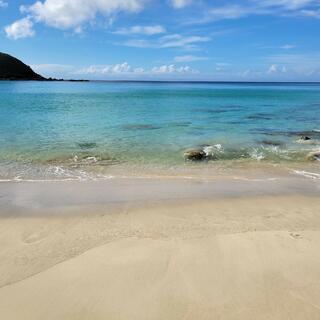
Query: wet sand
160, 249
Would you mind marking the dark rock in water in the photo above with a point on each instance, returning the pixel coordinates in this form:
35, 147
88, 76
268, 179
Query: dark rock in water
309, 133
260, 116
140, 127
194, 155
268, 132
180, 124
234, 122
314, 155
312, 134
306, 140
205, 152
272, 143
14, 69
218, 109
87, 145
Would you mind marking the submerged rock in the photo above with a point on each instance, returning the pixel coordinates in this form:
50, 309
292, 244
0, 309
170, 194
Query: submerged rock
204, 152
260, 116
194, 154
87, 145
272, 143
314, 155
305, 140
138, 126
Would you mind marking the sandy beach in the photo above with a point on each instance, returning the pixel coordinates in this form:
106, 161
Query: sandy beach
159, 160
138, 250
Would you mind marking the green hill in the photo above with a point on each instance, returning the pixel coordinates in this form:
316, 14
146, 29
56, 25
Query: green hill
14, 69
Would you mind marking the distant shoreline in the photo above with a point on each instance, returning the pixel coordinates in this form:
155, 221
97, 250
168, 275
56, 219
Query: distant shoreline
47, 80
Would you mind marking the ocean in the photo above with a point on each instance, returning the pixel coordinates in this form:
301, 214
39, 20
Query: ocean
83, 130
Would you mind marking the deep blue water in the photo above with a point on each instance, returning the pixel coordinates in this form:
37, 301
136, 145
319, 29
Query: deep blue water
63, 124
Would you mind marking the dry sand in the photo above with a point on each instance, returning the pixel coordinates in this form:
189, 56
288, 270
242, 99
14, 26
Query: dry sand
249, 257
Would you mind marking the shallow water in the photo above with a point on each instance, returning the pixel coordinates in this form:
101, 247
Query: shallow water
65, 130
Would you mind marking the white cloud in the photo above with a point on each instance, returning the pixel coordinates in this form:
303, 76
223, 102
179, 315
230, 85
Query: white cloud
189, 58
178, 4
283, 47
169, 69
3, 4
309, 8
288, 46
126, 69
70, 71
168, 41
106, 69
71, 14
310, 13
20, 29
146, 30
287, 4
312, 59
273, 69
138, 70
304, 8
276, 69
221, 66
228, 12
298, 65
246, 73
222, 71
139, 43
177, 40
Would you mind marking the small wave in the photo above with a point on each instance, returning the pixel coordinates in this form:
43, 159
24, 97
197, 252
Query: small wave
255, 179
212, 150
62, 173
87, 159
257, 155
271, 152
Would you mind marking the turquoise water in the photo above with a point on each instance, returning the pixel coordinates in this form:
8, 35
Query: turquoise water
53, 128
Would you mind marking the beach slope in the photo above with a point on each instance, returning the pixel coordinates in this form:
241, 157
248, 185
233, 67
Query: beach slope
234, 258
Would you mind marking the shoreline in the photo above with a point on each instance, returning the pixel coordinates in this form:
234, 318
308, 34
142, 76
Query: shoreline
188, 171
25, 196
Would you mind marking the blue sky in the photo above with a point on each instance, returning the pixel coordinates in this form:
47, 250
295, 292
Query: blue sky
248, 40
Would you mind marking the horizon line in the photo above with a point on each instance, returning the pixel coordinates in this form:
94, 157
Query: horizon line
175, 81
